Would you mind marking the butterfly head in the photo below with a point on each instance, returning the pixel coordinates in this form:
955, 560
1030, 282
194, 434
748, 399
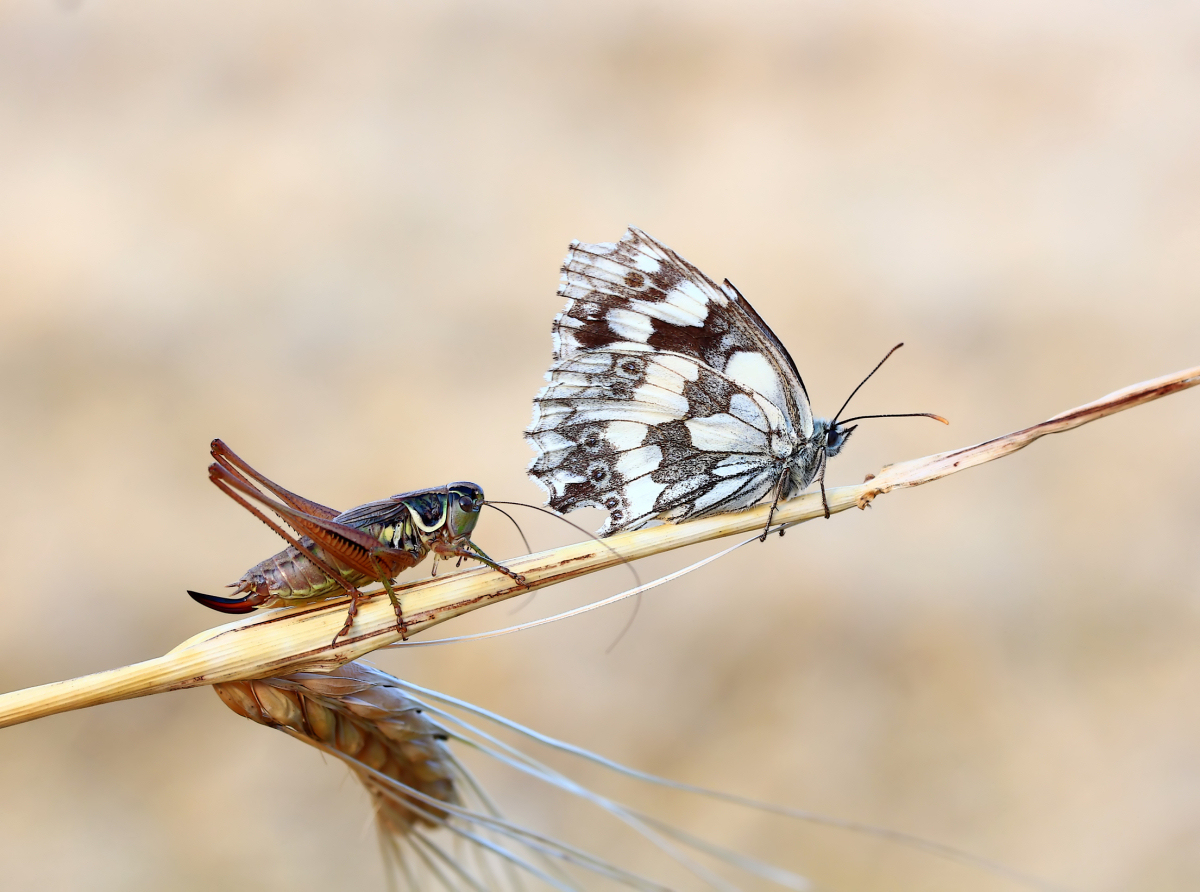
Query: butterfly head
833, 434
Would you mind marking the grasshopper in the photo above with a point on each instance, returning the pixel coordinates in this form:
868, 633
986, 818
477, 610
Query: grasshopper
337, 552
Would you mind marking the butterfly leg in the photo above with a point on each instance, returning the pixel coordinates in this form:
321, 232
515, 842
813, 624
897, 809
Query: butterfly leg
821, 480
774, 505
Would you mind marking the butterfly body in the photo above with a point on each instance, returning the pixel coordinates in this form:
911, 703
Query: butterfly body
669, 397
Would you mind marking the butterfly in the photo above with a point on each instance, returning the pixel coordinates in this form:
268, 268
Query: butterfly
669, 397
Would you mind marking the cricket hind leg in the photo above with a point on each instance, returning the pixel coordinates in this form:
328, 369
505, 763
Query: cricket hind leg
230, 482
239, 467
351, 614
347, 545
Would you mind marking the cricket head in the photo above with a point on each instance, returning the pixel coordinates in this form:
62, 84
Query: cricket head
463, 503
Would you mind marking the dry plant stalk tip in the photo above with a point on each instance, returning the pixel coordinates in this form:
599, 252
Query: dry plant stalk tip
289, 640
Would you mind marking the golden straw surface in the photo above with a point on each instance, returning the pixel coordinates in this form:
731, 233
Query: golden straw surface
287, 640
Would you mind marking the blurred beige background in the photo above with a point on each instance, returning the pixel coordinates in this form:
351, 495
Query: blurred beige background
330, 234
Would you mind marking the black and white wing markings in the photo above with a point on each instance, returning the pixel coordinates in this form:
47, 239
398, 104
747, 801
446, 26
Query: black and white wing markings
648, 435
669, 397
638, 293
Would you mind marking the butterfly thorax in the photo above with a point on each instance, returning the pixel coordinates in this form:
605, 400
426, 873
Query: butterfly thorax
808, 460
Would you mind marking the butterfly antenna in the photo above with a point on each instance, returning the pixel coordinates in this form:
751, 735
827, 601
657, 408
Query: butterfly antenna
833, 423
520, 532
578, 527
899, 415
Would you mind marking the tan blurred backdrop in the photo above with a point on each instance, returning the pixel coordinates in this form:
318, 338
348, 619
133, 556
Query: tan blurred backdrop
330, 234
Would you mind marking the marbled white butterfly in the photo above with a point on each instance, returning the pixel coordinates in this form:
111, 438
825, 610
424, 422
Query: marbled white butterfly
669, 397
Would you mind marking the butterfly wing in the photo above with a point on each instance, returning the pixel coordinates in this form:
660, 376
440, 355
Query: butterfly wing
647, 434
639, 294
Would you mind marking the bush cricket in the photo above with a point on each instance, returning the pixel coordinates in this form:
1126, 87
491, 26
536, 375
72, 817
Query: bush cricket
336, 551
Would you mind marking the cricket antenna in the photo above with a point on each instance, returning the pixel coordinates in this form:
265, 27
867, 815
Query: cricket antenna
520, 532
493, 503
636, 604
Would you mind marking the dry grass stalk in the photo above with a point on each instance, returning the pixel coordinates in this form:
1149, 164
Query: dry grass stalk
287, 640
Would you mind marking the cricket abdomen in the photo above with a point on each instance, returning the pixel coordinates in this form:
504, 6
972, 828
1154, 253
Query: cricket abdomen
292, 576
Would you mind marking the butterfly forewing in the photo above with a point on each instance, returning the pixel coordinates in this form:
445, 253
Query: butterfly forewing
640, 293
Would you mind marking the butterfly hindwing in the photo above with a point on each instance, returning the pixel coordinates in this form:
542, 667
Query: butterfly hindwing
647, 434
